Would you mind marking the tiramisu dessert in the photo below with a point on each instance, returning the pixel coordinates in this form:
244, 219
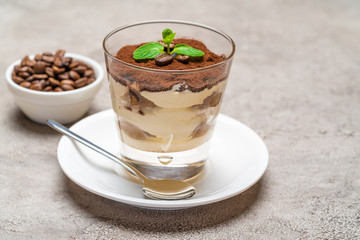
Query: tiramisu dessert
166, 94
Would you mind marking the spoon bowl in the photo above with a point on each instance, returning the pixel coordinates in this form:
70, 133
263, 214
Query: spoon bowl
164, 189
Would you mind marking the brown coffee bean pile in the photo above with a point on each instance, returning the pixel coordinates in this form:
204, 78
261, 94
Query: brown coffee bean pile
52, 73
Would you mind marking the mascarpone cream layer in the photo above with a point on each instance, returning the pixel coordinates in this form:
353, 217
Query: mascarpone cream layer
173, 120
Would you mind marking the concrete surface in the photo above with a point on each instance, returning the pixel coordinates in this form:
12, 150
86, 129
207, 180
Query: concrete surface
295, 80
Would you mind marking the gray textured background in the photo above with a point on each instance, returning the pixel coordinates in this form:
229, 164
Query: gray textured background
295, 80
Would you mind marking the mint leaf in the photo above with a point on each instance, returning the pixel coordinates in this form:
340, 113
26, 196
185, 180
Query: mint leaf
166, 32
148, 51
169, 38
184, 49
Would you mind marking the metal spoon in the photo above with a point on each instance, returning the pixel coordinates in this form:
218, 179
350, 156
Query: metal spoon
165, 189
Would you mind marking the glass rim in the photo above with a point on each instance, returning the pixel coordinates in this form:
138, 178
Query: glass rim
229, 58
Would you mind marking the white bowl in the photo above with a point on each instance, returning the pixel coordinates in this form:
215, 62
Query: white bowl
64, 107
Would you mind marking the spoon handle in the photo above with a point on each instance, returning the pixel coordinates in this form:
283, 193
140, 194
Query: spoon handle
64, 130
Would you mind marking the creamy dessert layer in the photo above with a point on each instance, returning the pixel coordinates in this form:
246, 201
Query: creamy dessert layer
166, 121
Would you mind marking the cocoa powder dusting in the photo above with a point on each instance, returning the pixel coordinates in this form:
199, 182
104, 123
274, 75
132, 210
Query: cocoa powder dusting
156, 81
126, 54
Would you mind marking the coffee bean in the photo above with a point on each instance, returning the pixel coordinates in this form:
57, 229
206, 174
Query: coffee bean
74, 64
48, 89
67, 82
67, 87
49, 59
63, 76
25, 84
43, 83
74, 75
24, 74
79, 69
24, 60
58, 89
35, 81
50, 72
67, 61
18, 68
84, 65
40, 76
88, 73
18, 79
30, 70
39, 67
30, 63
58, 62
36, 87
182, 58
38, 57
60, 53
58, 70
80, 82
54, 82
25, 69
90, 80
29, 79
163, 59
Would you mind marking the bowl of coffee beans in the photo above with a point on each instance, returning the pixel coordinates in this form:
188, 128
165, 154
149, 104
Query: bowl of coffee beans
59, 86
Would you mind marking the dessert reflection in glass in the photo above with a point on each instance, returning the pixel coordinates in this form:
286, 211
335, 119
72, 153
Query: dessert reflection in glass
166, 112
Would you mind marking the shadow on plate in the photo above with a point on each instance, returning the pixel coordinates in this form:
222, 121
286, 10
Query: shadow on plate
140, 219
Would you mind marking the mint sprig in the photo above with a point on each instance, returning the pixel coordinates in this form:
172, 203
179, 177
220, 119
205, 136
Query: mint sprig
168, 37
148, 51
152, 49
184, 49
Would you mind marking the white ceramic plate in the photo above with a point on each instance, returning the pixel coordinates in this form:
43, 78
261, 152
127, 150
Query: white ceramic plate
238, 159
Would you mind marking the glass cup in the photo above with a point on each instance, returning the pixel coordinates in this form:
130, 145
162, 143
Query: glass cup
165, 131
